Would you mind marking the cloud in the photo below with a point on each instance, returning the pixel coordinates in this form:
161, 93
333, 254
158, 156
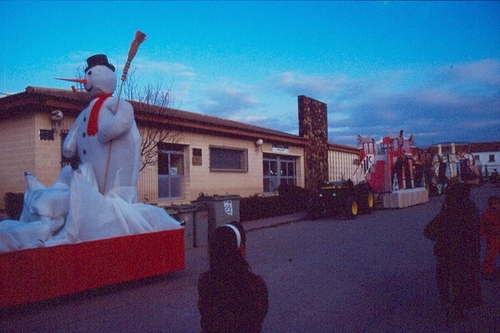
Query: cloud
145, 66
295, 83
227, 102
452, 102
485, 72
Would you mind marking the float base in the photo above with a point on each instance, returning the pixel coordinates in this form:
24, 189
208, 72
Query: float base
34, 275
406, 198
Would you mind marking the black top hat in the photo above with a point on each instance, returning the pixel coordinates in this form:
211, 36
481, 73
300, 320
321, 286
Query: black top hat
98, 59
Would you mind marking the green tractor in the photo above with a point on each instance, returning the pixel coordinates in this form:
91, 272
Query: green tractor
341, 198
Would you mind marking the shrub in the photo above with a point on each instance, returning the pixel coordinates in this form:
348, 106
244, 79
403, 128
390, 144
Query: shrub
290, 199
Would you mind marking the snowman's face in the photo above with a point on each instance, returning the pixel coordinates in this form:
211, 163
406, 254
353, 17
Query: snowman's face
100, 80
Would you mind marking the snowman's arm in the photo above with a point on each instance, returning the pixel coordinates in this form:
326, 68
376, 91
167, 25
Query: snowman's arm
70, 147
120, 123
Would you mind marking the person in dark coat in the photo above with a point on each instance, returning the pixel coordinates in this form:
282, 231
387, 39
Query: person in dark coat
230, 297
457, 250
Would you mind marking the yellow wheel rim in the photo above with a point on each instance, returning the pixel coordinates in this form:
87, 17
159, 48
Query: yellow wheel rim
354, 208
371, 200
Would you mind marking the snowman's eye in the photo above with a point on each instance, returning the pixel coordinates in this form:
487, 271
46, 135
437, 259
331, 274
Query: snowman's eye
89, 73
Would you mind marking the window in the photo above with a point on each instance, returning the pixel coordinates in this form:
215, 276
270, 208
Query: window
170, 171
383, 149
197, 156
46, 135
228, 159
492, 158
278, 169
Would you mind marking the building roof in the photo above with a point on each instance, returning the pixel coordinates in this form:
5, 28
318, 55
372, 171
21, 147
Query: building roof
468, 147
73, 102
343, 148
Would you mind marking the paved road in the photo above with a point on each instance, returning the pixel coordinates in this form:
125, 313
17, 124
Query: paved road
374, 274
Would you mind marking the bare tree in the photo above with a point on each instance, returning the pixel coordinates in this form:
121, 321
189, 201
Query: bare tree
152, 99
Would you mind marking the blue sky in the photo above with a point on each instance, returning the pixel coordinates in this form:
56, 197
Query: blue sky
429, 68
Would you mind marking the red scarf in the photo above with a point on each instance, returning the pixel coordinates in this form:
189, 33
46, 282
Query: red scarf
92, 126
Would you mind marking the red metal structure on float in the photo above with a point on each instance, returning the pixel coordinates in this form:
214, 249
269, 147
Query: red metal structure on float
387, 165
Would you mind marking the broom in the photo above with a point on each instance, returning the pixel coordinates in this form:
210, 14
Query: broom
134, 47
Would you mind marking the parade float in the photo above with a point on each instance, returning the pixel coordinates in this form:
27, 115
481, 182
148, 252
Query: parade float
394, 169
451, 165
87, 230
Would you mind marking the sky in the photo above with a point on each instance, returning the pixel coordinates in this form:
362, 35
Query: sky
429, 68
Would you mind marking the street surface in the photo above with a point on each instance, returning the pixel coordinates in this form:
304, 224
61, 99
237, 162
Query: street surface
373, 274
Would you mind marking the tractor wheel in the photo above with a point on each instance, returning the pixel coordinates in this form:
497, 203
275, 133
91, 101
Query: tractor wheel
370, 202
350, 209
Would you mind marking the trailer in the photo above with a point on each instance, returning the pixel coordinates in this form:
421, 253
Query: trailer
394, 170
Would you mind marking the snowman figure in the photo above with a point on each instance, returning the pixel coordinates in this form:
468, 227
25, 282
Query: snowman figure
105, 136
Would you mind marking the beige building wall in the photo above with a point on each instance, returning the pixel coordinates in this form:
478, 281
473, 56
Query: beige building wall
17, 142
22, 150
200, 179
48, 152
147, 186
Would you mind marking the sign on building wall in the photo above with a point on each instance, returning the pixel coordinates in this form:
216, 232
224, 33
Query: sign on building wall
280, 149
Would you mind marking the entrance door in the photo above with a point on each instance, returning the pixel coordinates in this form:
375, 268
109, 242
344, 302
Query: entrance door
170, 171
278, 169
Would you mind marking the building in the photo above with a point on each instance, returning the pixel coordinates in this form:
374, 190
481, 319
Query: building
200, 154
484, 155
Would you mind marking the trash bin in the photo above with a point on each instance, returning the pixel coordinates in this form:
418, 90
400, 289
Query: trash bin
201, 225
222, 209
185, 215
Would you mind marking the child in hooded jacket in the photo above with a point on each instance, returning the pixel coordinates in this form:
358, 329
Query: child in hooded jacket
231, 299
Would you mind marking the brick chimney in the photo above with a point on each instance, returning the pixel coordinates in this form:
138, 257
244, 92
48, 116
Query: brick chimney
313, 127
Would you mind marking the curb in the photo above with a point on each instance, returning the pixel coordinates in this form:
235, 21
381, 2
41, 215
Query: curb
273, 221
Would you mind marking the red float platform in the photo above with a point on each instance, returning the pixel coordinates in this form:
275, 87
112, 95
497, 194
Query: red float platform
34, 275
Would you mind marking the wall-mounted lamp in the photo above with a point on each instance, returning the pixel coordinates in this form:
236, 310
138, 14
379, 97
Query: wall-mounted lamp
258, 144
56, 117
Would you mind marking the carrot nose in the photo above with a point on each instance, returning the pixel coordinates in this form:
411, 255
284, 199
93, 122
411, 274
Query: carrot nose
83, 81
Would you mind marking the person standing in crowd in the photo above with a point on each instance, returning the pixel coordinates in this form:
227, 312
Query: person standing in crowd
490, 228
230, 297
458, 252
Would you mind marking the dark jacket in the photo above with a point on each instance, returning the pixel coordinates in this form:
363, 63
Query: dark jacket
458, 249
455, 229
232, 302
